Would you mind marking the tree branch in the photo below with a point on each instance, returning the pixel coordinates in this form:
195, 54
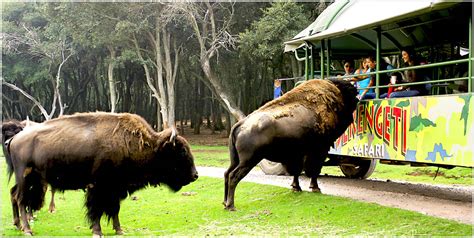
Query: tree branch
38, 104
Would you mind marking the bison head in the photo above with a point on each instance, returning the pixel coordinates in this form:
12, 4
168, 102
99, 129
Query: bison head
176, 161
349, 94
10, 128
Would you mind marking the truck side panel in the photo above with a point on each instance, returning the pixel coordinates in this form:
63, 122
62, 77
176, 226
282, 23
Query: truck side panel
428, 129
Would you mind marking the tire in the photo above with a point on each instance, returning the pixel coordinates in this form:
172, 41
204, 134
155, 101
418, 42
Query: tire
361, 169
272, 168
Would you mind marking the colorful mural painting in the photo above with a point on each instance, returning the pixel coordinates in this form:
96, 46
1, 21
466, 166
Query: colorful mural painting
435, 130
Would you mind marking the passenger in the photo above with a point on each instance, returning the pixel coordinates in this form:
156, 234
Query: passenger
363, 81
396, 78
384, 78
277, 92
370, 81
410, 77
348, 69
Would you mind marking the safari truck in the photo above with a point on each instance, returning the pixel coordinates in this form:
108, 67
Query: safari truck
432, 129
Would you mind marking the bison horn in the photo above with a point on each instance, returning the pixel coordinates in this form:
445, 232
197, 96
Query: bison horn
27, 121
173, 135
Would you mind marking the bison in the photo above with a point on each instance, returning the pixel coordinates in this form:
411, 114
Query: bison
9, 129
108, 155
296, 130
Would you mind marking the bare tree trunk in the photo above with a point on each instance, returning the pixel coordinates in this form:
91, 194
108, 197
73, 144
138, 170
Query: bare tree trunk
171, 73
156, 41
227, 101
56, 83
110, 74
159, 121
150, 80
209, 43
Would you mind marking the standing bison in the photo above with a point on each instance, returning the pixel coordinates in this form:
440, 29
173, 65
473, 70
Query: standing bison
108, 155
9, 129
296, 130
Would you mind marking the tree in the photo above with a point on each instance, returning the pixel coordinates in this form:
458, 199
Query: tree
38, 37
94, 25
154, 33
279, 23
212, 34
127, 55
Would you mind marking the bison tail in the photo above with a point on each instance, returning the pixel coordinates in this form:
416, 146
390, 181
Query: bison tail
8, 158
234, 156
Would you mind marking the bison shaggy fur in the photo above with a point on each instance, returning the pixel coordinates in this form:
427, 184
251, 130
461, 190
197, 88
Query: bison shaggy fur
108, 155
296, 130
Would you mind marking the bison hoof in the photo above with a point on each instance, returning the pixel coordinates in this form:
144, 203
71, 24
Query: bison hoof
119, 232
230, 208
296, 189
94, 235
315, 190
28, 233
52, 209
16, 223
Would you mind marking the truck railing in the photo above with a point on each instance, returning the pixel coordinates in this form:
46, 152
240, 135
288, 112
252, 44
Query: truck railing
424, 66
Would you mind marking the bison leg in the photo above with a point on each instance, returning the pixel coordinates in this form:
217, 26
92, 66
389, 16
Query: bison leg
313, 166
20, 199
24, 219
233, 165
112, 211
14, 201
94, 210
295, 169
234, 178
295, 186
52, 206
117, 227
96, 229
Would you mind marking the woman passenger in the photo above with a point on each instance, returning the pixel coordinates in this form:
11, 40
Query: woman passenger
363, 81
410, 77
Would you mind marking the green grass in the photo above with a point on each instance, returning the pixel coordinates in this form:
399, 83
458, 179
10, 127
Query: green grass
211, 156
262, 210
218, 156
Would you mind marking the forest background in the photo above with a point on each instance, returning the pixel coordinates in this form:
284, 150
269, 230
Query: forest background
196, 62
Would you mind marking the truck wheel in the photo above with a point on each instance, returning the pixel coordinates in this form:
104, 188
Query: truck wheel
272, 168
360, 169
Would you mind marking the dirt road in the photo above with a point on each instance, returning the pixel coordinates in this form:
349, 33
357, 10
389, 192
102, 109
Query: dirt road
450, 202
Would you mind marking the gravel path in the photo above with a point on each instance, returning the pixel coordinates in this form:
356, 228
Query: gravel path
450, 202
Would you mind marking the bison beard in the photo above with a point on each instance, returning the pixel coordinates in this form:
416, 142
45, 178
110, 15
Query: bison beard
296, 130
108, 155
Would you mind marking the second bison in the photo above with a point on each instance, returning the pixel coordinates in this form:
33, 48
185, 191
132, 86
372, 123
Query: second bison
296, 130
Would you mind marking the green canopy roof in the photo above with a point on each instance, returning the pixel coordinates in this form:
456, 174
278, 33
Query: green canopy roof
351, 24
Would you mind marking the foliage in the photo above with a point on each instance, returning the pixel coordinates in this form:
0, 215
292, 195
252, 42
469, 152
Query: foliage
92, 30
279, 23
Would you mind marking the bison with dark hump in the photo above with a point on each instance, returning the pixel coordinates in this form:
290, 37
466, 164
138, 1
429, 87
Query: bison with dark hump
296, 130
109, 155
